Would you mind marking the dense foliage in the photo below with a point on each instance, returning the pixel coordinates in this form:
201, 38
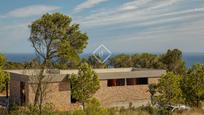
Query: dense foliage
121, 60
4, 77
84, 84
2, 60
172, 61
91, 60
169, 89
56, 40
174, 89
193, 85
146, 60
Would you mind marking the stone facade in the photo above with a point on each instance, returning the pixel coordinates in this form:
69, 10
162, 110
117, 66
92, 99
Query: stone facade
123, 95
58, 91
15, 91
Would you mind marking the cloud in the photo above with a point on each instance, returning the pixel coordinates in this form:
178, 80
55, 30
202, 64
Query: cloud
165, 3
188, 38
148, 26
15, 38
88, 4
138, 13
33, 10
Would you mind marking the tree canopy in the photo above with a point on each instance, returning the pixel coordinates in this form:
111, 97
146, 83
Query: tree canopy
121, 60
193, 85
84, 84
91, 60
169, 89
56, 39
4, 77
173, 61
146, 60
2, 60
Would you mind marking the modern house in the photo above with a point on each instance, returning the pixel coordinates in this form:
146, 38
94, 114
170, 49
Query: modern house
119, 86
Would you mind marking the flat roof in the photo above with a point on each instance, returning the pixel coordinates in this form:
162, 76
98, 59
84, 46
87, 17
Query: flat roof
108, 73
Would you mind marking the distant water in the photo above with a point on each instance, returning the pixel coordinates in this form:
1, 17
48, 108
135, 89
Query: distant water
20, 57
193, 58
190, 58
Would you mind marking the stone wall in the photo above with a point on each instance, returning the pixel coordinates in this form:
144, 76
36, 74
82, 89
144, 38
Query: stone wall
58, 94
15, 91
153, 80
123, 95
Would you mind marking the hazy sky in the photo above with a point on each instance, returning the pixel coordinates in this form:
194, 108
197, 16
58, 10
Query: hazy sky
121, 25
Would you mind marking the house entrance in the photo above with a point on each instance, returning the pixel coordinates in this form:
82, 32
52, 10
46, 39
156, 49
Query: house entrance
22, 93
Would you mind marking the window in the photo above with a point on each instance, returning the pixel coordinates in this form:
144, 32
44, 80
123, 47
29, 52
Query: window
116, 82
141, 81
137, 81
131, 81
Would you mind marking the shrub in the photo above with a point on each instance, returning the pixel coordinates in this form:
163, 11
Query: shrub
78, 112
47, 109
4, 78
93, 107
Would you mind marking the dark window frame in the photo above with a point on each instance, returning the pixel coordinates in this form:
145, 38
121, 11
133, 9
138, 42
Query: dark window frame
130, 81
142, 81
116, 82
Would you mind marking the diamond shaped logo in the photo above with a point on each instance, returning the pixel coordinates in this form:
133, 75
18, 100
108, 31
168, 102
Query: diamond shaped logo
102, 53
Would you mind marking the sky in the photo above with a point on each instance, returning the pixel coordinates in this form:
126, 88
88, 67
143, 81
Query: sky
123, 26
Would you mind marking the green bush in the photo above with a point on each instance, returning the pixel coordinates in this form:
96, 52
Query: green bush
93, 107
79, 112
47, 109
4, 78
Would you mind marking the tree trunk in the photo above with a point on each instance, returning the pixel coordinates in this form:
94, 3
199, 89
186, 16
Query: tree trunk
197, 102
7, 89
41, 100
83, 105
39, 85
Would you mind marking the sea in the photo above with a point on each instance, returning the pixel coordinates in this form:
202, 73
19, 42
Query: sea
189, 58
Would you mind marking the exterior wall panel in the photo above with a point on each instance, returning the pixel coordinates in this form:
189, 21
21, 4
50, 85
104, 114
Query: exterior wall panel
58, 91
58, 94
111, 96
15, 91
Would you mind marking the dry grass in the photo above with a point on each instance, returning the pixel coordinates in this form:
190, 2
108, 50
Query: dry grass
193, 111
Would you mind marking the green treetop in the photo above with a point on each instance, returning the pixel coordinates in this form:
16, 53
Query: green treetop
193, 85
56, 39
169, 89
84, 84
